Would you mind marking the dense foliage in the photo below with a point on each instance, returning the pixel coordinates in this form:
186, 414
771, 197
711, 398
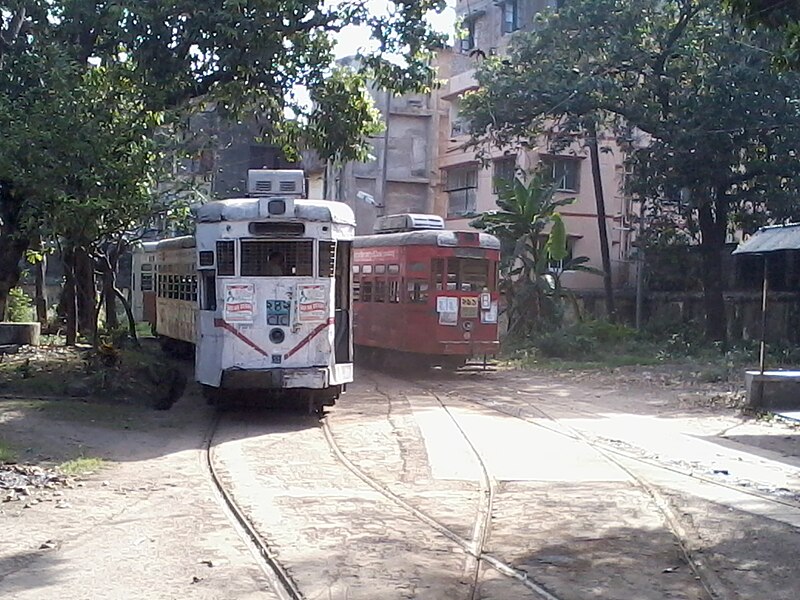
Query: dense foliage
87, 87
708, 127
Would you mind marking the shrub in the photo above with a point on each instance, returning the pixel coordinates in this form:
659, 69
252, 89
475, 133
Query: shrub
20, 307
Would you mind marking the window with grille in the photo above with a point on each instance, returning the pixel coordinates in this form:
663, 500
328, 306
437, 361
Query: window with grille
510, 16
225, 258
467, 274
462, 191
380, 291
366, 291
262, 258
565, 173
394, 291
504, 171
327, 259
417, 291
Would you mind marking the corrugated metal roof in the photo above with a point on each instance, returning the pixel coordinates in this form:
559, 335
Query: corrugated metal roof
772, 239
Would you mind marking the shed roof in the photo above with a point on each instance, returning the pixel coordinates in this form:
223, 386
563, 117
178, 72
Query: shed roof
772, 239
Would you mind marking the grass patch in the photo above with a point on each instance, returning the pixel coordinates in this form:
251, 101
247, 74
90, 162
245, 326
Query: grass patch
598, 345
7, 454
81, 465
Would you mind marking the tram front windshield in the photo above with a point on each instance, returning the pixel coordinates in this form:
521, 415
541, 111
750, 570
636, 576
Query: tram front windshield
463, 274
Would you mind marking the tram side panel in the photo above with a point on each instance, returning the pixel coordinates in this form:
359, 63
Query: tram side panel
430, 315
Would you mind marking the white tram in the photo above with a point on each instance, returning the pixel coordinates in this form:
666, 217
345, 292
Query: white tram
263, 291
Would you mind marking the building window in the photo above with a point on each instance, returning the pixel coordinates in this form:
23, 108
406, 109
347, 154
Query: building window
468, 41
565, 173
461, 187
504, 171
510, 16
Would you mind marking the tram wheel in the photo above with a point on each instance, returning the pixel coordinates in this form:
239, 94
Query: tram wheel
212, 395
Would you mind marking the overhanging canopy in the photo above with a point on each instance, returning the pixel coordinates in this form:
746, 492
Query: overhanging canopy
772, 239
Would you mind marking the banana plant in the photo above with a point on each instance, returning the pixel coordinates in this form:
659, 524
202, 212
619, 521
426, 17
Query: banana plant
532, 235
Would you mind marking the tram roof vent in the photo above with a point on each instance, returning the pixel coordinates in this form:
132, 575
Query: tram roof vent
407, 222
275, 182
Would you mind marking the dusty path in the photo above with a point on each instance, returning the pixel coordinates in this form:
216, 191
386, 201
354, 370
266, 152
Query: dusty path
145, 526
149, 526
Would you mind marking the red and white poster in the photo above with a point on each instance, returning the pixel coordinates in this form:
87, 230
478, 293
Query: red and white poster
312, 303
239, 302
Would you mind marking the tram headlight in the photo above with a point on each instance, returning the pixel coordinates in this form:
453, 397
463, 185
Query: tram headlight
276, 207
276, 336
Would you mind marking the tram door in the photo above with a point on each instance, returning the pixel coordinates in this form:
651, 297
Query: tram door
343, 348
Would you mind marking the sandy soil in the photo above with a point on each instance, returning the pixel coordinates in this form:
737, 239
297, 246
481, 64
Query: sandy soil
147, 524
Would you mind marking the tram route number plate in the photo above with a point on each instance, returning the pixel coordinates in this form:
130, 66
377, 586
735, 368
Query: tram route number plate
278, 312
469, 308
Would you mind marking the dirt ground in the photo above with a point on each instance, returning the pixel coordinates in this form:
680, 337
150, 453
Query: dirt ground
146, 524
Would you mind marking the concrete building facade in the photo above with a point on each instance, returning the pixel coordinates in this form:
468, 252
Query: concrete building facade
403, 173
467, 187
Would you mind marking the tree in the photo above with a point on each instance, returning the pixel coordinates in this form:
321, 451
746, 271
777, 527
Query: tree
246, 57
531, 235
780, 15
709, 128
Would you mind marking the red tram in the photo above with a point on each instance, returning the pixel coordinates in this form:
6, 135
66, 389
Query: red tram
423, 294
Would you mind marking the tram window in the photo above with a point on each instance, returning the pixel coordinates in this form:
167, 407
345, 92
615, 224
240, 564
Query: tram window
417, 291
262, 258
209, 291
225, 258
356, 268
394, 291
147, 282
147, 267
327, 259
380, 290
394, 269
366, 269
366, 291
437, 266
206, 258
467, 274
380, 269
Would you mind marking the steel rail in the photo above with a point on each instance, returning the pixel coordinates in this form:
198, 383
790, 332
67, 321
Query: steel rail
279, 578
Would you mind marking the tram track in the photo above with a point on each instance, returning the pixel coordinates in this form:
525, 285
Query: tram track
474, 548
690, 548
279, 578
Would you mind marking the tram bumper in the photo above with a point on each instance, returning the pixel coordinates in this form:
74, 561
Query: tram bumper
307, 377
471, 348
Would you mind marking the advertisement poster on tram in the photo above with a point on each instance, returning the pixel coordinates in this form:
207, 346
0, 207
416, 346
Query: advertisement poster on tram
239, 302
312, 305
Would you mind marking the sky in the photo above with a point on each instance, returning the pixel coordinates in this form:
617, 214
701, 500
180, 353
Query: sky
352, 38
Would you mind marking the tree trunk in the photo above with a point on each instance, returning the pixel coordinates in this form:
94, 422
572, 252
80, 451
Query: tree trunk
13, 243
594, 157
85, 292
40, 300
108, 266
713, 221
69, 297
129, 313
